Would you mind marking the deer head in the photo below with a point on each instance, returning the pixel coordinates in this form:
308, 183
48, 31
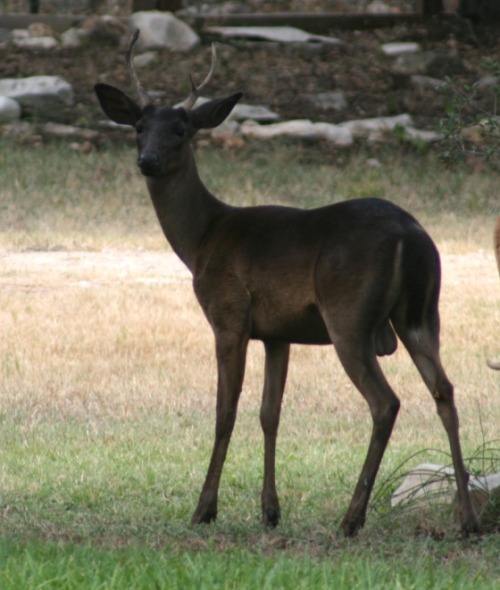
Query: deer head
163, 133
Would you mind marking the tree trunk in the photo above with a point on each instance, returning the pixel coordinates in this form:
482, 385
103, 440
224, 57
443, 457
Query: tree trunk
431, 7
482, 11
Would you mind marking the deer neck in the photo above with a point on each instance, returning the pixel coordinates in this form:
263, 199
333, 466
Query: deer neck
185, 209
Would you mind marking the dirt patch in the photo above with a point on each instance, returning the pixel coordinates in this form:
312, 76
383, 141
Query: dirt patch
34, 271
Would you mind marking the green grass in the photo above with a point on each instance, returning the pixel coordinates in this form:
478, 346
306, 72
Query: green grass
108, 506
107, 403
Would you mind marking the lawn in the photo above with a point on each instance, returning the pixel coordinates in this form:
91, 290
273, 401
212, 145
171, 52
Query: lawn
107, 382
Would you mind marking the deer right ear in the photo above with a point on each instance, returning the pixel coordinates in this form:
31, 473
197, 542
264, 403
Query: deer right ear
117, 105
211, 114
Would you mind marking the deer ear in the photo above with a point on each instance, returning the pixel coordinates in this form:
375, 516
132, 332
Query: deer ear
212, 113
117, 105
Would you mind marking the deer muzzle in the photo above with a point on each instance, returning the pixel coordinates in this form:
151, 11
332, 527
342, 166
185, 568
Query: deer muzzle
149, 163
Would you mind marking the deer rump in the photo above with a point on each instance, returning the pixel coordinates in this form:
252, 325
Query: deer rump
365, 259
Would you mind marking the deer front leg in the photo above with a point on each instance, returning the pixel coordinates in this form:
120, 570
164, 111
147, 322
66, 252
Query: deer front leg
277, 355
231, 353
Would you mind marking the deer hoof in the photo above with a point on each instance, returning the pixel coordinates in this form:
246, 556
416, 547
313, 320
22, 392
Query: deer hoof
352, 526
271, 517
204, 516
470, 528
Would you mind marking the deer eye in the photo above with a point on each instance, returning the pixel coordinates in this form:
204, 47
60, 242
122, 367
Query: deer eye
139, 128
180, 132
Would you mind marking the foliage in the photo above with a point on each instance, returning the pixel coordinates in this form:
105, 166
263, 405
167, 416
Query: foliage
471, 127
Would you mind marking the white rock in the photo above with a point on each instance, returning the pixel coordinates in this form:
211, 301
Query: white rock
423, 135
335, 100
395, 49
340, 136
163, 29
9, 109
299, 128
243, 112
41, 95
68, 131
276, 34
72, 37
377, 7
429, 481
364, 127
18, 34
143, 60
36, 43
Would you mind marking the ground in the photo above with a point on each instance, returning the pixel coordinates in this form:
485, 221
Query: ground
282, 79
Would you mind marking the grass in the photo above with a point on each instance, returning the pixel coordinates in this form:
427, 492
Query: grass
107, 378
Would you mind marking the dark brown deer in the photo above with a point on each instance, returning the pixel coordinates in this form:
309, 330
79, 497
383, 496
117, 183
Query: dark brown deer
353, 274
496, 246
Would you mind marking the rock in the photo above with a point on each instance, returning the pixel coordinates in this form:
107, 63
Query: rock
18, 34
428, 63
36, 43
380, 125
377, 7
301, 129
395, 49
424, 135
43, 96
373, 163
243, 112
68, 131
487, 83
274, 34
435, 483
261, 113
105, 30
9, 110
163, 29
144, 60
40, 30
427, 481
335, 101
72, 37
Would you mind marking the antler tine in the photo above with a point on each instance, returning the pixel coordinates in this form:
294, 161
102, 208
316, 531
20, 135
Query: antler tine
196, 90
144, 97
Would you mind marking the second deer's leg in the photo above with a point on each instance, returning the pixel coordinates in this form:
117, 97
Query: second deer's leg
231, 353
423, 347
277, 355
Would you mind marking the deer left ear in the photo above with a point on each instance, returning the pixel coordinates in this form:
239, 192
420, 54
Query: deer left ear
117, 105
212, 113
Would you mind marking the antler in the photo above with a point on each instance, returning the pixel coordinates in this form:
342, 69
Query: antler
145, 99
196, 90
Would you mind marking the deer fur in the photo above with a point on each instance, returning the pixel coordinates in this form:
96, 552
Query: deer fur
353, 274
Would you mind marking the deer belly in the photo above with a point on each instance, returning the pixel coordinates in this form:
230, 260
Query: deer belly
304, 326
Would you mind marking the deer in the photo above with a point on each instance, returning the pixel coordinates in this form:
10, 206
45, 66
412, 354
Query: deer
495, 365
357, 275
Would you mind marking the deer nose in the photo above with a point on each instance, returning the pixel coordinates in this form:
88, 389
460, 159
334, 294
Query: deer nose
149, 163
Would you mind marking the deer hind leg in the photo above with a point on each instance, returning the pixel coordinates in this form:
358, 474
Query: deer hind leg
358, 357
277, 355
231, 353
422, 344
